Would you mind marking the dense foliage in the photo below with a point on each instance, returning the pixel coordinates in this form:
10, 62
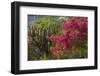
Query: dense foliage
58, 38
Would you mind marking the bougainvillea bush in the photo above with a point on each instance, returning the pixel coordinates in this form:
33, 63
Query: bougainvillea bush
57, 37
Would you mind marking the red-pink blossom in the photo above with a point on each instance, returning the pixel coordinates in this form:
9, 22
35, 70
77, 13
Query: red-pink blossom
71, 24
76, 32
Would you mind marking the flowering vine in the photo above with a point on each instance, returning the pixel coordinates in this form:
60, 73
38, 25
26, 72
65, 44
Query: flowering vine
75, 33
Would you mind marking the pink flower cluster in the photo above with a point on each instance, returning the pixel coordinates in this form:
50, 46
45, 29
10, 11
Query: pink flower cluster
77, 24
76, 31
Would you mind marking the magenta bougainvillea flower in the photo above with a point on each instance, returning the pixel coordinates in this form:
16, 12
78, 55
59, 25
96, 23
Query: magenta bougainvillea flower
76, 32
71, 24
